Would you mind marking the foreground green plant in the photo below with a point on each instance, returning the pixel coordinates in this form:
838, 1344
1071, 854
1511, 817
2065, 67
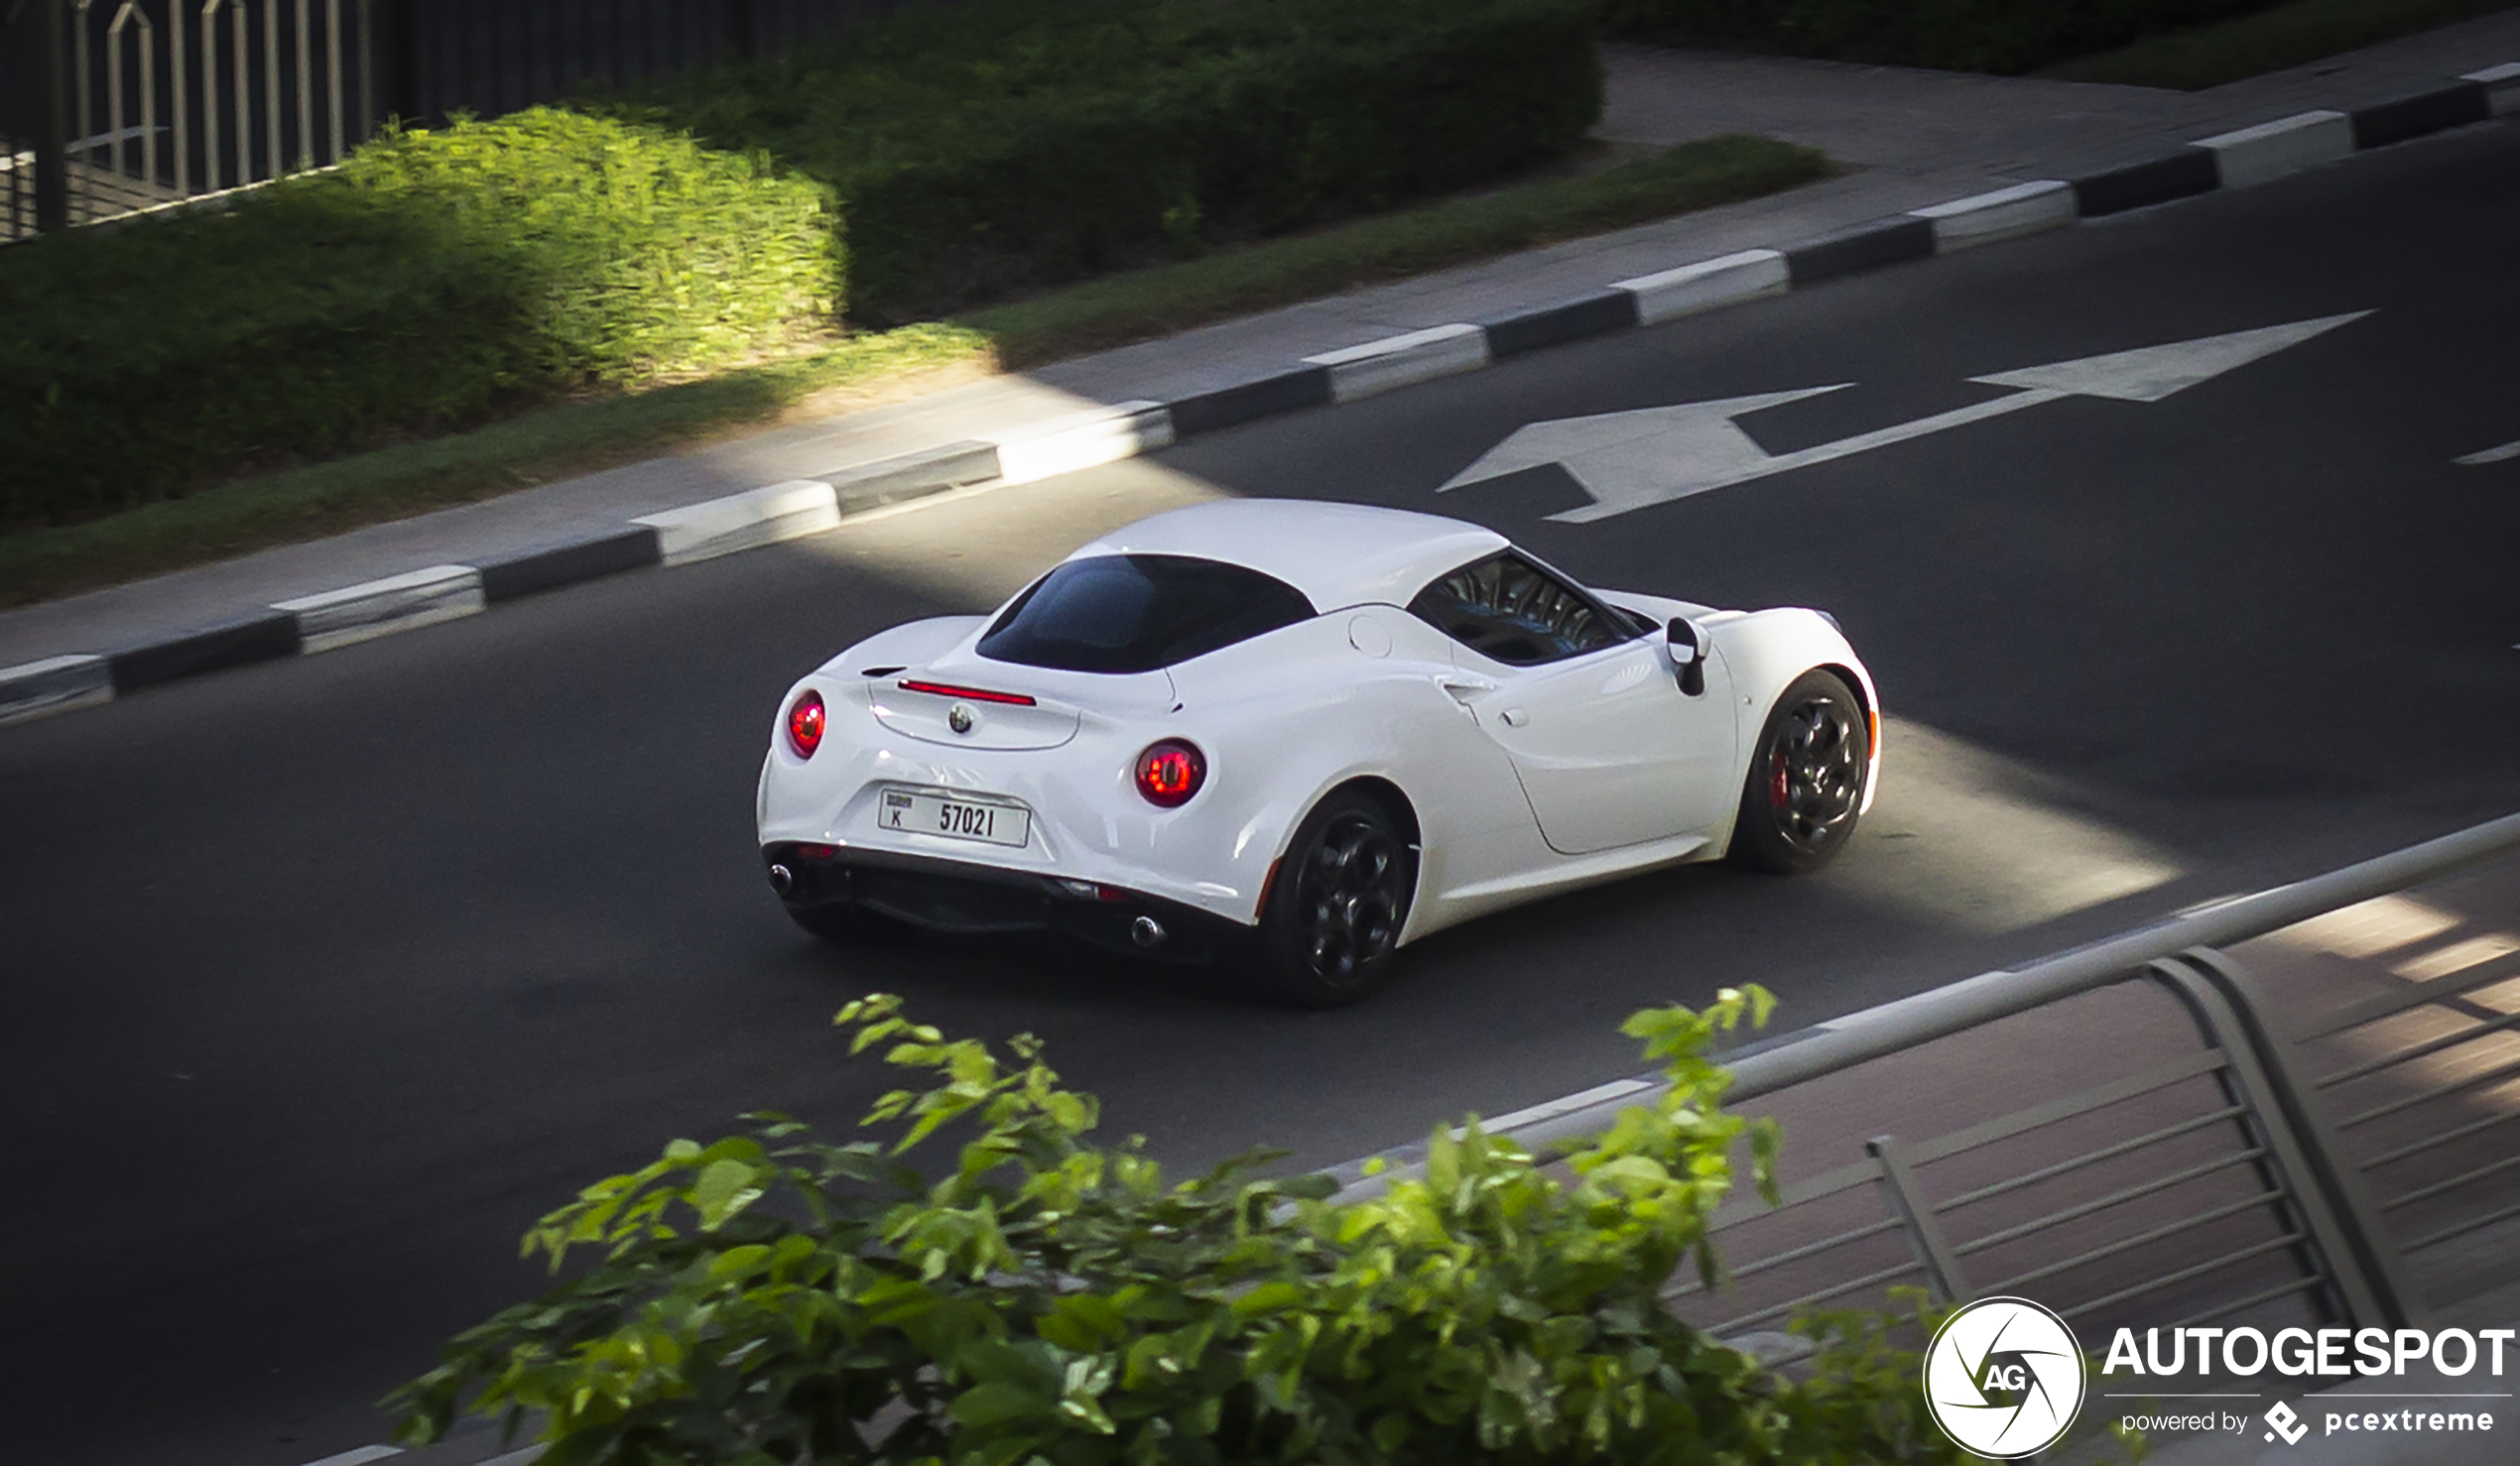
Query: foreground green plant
774, 1298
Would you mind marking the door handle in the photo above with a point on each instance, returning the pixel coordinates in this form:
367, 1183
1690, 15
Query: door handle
1464, 688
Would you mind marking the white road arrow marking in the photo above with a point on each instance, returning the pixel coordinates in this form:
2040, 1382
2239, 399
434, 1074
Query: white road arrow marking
1652, 456
2490, 456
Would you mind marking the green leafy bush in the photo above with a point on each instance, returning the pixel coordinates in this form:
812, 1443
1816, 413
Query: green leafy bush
2003, 36
987, 148
432, 276
774, 1298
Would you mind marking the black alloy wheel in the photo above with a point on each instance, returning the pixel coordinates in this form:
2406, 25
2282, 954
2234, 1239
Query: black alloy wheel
1806, 785
1334, 918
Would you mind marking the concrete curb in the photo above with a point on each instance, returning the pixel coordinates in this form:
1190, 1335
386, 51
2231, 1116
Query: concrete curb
2270, 149
1668, 294
1084, 441
745, 521
357, 613
803, 507
2501, 87
1861, 247
1403, 361
2005, 213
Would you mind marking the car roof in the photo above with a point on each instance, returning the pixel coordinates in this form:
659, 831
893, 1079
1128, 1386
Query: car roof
1337, 554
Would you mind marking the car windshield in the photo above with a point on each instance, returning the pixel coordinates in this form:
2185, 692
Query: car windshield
1509, 609
1129, 613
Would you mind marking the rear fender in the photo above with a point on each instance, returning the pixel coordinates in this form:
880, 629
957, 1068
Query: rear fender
1303, 710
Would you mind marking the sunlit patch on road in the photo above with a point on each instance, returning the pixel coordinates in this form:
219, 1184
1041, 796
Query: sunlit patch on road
1985, 842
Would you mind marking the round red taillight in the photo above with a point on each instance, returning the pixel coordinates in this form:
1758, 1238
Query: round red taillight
1170, 771
805, 723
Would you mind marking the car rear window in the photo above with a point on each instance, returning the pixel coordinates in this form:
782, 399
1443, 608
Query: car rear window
1126, 613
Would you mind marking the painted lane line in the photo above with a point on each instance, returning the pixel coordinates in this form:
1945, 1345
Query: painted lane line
1863, 443
2270, 149
375, 608
360, 1457
1668, 294
2005, 213
53, 684
1403, 361
2490, 456
1634, 460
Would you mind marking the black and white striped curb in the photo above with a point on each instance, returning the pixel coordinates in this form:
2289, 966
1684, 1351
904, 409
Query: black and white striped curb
786, 510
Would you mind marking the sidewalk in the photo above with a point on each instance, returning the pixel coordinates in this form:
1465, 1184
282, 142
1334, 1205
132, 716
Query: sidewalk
1916, 139
2087, 1155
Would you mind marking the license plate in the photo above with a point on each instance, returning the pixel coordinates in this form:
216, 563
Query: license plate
955, 819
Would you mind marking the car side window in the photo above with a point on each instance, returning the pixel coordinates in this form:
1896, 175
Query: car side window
1508, 609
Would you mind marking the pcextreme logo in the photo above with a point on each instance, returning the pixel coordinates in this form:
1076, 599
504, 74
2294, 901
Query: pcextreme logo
2004, 1377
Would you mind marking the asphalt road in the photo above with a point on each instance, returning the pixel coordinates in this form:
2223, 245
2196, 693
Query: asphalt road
326, 977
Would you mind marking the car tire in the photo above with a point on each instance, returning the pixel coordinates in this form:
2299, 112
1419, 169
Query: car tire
1805, 788
1331, 930
845, 924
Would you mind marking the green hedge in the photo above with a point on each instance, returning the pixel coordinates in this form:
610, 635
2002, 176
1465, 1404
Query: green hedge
2001, 35
1038, 1298
1004, 145
433, 277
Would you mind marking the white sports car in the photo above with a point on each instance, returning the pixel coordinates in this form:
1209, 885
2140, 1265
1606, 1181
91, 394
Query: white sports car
1302, 735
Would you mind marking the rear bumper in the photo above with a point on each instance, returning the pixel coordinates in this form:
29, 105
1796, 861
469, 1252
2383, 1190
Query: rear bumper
958, 897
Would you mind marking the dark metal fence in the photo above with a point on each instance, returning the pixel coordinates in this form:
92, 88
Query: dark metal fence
2297, 1107
110, 107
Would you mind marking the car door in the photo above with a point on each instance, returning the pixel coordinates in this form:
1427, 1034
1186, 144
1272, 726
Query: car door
1608, 750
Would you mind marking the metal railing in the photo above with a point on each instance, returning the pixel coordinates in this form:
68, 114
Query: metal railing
155, 102
115, 107
2168, 1143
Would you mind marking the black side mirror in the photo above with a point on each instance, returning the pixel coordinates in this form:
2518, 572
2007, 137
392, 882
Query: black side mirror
1686, 657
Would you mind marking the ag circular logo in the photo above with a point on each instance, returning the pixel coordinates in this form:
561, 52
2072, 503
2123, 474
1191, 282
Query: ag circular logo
2004, 1377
